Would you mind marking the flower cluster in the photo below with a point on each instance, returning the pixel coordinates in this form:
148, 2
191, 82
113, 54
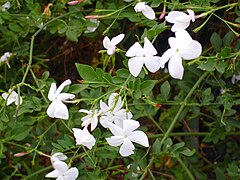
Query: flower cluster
61, 170
12, 97
181, 47
119, 122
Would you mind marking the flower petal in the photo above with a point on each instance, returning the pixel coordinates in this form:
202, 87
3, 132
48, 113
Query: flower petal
58, 157
134, 50
175, 67
84, 111
58, 110
180, 26
60, 88
61, 166
140, 138
106, 42
115, 102
127, 148
115, 140
53, 174
71, 174
139, 6
166, 56
52, 91
148, 47
152, 63
171, 17
104, 107
192, 51
191, 14
115, 129
94, 123
129, 126
65, 96
116, 40
182, 39
135, 65
148, 12
51, 109
111, 50
104, 121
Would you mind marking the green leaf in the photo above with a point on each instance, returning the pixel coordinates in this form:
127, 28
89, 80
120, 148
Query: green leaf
165, 90
219, 174
177, 146
77, 88
86, 72
187, 152
167, 144
156, 147
72, 35
228, 39
15, 27
21, 133
156, 3
208, 65
216, 41
221, 66
147, 87
45, 75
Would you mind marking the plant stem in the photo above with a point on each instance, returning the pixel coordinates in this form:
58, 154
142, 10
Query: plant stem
182, 107
185, 168
165, 136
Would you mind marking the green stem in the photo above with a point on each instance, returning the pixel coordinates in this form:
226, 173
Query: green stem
185, 168
182, 107
165, 136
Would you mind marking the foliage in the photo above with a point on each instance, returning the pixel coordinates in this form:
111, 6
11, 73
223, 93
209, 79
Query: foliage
192, 123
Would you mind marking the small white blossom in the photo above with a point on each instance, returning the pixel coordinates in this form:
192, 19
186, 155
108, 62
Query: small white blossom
62, 172
90, 118
147, 11
84, 137
57, 108
143, 56
113, 112
6, 6
92, 28
180, 19
11, 97
58, 157
235, 78
181, 47
5, 58
126, 135
110, 45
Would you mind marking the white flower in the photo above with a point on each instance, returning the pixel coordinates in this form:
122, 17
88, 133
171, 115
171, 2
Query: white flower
113, 112
62, 172
84, 137
235, 78
147, 11
11, 97
126, 135
57, 109
180, 19
5, 58
110, 45
90, 118
135, 174
181, 46
92, 28
58, 157
140, 56
6, 6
